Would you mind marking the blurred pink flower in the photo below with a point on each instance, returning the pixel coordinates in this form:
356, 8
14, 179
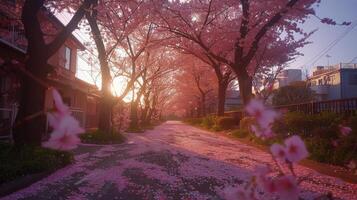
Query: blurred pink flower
60, 107
262, 132
295, 149
278, 151
65, 127
263, 115
287, 187
62, 141
345, 130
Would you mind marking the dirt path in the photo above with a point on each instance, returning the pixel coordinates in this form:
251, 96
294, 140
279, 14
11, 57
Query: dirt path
173, 161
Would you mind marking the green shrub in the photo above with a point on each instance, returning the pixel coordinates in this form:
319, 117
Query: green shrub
246, 123
208, 121
18, 162
98, 137
318, 132
193, 121
225, 123
240, 133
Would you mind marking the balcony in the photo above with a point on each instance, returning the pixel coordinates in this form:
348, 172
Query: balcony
14, 37
321, 89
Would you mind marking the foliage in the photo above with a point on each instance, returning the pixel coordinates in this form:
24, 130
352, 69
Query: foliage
18, 162
99, 137
193, 121
225, 123
240, 133
208, 121
246, 123
295, 93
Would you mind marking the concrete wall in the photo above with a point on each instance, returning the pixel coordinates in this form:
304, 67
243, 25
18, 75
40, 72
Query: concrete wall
349, 83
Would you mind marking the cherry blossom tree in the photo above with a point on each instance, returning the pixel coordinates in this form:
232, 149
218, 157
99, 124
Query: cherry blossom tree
111, 23
237, 33
196, 83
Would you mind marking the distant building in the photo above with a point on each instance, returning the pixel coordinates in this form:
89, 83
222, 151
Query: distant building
334, 82
287, 76
233, 100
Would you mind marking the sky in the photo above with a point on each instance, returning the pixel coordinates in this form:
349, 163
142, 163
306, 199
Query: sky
344, 51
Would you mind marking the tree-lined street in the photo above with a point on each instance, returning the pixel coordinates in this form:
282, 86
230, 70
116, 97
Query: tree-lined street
173, 161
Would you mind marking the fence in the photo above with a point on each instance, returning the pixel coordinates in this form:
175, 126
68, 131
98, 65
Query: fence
341, 106
7, 120
79, 115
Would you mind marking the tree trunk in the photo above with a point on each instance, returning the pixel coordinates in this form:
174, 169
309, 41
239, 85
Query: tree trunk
106, 102
31, 102
245, 87
203, 105
134, 115
222, 88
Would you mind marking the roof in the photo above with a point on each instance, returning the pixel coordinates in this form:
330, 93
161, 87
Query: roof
59, 23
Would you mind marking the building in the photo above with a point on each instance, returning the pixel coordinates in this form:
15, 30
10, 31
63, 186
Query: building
233, 100
81, 97
334, 82
287, 76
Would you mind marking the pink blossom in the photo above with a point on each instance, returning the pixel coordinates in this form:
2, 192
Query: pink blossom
287, 187
278, 151
62, 141
295, 149
263, 115
262, 132
60, 107
345, 130
65, 127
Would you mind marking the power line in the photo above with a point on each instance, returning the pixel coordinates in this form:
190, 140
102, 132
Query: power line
331, 45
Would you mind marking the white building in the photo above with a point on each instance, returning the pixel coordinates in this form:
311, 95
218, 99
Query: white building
335, 82
287, 76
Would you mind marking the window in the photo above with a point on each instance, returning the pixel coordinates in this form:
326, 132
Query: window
67, 56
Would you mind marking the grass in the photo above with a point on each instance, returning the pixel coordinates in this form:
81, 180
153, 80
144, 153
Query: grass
98, 137
28, 160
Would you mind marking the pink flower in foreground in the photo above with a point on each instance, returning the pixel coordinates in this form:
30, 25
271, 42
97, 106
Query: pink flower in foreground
287, 188
295, 149
345, 130
62, 141
65, 127
262, 132
278, 151
60, 107
263, 115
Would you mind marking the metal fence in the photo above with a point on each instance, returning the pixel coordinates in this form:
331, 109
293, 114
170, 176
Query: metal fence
7, 120
79, 115
340, 106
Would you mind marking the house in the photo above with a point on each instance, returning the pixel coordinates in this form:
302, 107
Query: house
334, 82
287, 76
233, 100
81, 97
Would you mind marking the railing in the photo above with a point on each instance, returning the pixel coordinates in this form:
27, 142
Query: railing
79, 115
341, 106
346, 106
7, 120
